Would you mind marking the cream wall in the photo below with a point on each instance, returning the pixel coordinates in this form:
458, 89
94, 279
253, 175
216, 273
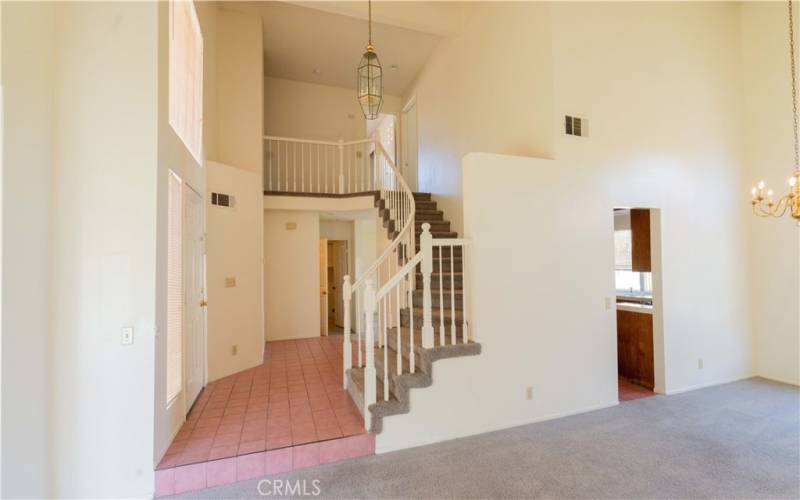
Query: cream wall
103, 243
291, 275
775, 278
665, 136
488, 88
239, 60
311, 111
234, 250
27, 83
366, 246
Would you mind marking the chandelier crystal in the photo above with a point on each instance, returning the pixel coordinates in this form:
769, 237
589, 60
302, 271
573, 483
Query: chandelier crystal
763, 201
370, 78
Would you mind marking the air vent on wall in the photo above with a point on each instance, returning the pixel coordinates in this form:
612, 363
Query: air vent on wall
221, 200
574, 126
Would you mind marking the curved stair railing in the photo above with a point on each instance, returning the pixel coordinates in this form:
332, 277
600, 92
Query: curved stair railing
396, 206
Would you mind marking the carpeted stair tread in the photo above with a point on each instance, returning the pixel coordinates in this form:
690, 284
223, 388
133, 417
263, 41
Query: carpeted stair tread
399, 385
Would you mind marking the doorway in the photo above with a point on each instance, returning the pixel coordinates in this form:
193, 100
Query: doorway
195, 296
635, 306
334, 266
410, 145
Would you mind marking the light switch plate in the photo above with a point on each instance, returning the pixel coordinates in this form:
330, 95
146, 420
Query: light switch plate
127, 335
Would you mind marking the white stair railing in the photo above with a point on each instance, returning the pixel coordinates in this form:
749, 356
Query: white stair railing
399, 207
316, 167
383, 311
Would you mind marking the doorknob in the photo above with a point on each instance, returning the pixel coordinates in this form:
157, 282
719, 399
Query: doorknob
203, 303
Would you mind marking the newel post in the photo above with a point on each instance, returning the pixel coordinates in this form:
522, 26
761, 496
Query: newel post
426, 247
347, 293
369, 367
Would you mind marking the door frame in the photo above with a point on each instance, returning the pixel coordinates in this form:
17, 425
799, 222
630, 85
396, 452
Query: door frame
323, 287
189, 192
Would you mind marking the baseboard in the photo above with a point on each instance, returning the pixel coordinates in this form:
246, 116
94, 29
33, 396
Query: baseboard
379, 449
690, 388
779, 380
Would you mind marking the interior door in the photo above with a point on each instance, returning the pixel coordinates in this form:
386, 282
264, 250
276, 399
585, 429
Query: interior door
195, 296
323, 287
339, 272
410, 147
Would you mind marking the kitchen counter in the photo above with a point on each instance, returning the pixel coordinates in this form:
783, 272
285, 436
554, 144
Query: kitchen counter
635, 307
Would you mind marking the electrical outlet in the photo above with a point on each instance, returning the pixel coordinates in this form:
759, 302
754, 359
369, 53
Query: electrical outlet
529, 393
127, 335
235, 349
609, 303
230, 282
700, 364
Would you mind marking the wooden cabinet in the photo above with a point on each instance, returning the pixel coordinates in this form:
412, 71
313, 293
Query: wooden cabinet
635, 347
640, 239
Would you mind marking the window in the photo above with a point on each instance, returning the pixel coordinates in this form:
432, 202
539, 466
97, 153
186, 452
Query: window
186, 76
633, 283
628, 282
174, 287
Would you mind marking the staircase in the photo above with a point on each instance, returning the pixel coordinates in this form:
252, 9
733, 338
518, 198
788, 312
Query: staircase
411, 304
447, 317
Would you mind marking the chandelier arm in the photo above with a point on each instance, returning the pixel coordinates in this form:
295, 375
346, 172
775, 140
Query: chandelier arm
758, 210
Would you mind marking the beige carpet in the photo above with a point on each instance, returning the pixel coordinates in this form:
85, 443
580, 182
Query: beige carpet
739, 440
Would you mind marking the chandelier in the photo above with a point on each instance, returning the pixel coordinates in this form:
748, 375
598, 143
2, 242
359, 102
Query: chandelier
763, 202
370, 79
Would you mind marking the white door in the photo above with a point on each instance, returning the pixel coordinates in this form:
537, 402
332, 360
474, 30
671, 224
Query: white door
195, 293
410, 146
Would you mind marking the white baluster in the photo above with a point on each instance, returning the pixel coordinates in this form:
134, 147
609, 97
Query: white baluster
302, 168
452, 297
347, 362
426, 247
399, 345
385, 350
410, 291
441, 298
464, 293
369, 369
341, 166
269, 142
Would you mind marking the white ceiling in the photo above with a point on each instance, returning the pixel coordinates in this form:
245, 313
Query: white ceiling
299, 40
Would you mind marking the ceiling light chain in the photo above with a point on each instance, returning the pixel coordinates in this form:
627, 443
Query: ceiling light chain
762, 202
370, 77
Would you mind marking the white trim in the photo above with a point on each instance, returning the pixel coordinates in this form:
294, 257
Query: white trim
779, 380
690, 388
379, 448
412, 101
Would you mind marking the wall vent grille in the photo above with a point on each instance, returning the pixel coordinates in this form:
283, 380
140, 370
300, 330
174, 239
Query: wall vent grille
574, 126
221, 200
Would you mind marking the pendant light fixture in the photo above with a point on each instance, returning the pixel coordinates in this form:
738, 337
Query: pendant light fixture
763, 203
370, 78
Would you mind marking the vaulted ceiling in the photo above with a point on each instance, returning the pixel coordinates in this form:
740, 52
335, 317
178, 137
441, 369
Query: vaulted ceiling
322, 42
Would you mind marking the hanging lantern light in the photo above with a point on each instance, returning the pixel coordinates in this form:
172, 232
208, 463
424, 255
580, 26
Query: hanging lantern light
370, 78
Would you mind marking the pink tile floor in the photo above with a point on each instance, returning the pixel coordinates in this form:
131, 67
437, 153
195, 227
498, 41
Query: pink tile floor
290, 412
